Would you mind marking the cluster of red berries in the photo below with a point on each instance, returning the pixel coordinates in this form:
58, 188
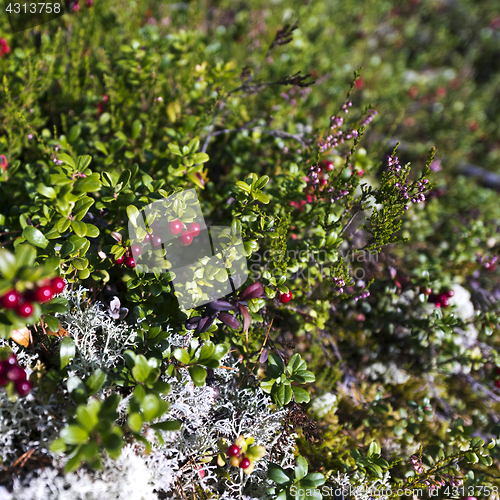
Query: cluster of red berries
439, 300
127, 258
100, 105
4, 47
185, 233
284, 298
23, 303
10, 371
238, 459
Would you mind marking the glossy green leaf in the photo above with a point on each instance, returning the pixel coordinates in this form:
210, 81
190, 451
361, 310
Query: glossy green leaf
52, 322
74, 434
67, 351
134, 421
80, 228
167, 425
300, 468
198, 375
7, 264
35, 237
182, 355
95, 382
48, 192
277, 474
141, 369
150, 406
136, 129
300, 395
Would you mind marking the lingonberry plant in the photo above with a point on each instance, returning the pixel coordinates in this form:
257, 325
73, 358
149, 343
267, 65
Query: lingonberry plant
361, 347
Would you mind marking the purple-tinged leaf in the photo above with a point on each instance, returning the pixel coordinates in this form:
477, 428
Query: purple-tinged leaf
220, 305
193, 322
264, 355
253, 291
206, 323
229, 320
247, 319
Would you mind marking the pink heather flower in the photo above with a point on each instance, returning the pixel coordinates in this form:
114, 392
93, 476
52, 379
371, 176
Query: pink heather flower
435, 166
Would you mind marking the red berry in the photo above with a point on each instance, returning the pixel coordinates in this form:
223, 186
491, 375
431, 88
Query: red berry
175, 226
327, 166
147, 238
130, 262
441, 92
450, 293
3, 41
426, 291
23, 387
89, 3
136, 249
76, 8
359, 83
44, 294
194, 229
25, 310
10, 300
156, 241
324, 182
119, 260
186, 239
201, 472
245, 463
16, 373
437, 304
497, 383
3, 159
284, 298
443, 299
58, 285
234, 451
105, 98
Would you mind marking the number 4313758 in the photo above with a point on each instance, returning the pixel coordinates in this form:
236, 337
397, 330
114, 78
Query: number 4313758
34, 8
